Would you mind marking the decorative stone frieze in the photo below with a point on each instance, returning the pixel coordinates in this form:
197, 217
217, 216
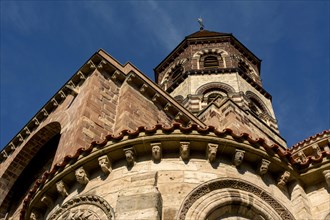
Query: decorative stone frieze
130, 156
211, 152
282, 181
62, 189
238, 157
105, 164
263, 167
81, 176
184, 150
326, 174
156, 151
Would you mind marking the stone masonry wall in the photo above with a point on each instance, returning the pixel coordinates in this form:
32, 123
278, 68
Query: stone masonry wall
164, 186
137, 108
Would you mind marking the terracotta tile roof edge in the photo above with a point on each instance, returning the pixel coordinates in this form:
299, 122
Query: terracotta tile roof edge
311, 138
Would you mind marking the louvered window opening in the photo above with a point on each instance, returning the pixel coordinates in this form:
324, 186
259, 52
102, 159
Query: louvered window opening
211, 61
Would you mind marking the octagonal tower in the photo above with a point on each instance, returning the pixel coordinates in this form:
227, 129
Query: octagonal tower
213, 75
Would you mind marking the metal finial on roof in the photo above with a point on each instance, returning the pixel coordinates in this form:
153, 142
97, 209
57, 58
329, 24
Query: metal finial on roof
200, 21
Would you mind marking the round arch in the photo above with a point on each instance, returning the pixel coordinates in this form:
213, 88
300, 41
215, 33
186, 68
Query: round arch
225, 198
23, 159
220, 52
214, 86
254, 98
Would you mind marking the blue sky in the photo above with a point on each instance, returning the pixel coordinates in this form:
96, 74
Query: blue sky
43, 43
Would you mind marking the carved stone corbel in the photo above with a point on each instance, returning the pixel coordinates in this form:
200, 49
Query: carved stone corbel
282, 181
238, 157
101, 64
35, 215
143, 88
81, 176
62, 189
48, 201
317, 149
326, 174
211, 152
302, 157
156, 151
184, 150
130, 156
263, 167
155, 97
105, 164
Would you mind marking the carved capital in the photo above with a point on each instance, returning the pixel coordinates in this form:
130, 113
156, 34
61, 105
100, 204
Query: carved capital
81, 176
184, 150
105, 164
156, 150
238, 157
211, 152
62, 189
263, 167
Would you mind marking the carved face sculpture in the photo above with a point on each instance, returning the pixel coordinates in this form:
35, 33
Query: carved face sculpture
284, 179
184, 151
264, 167
239, 155
81, 176
212, 153
105, 164
129, 156
61, 188
156, 152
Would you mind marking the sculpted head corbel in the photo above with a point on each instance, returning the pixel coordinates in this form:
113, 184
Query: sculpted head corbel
81, 176
61, 188
238, 158
156, 151
105, 164
184, 150
211, 152
130, 156
263, 167
283, 179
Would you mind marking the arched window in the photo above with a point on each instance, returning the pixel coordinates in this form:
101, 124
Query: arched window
177, 72
211, 62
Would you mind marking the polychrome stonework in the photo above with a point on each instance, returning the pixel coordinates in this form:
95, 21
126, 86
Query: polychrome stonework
200, 143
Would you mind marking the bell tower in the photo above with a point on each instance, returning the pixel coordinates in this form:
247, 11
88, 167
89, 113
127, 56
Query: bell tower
217, 78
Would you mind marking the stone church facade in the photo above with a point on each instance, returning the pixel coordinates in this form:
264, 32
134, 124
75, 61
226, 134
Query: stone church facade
202, 142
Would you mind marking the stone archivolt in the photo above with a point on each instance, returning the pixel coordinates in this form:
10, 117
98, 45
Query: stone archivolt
206, 198
87, 207
200, 141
